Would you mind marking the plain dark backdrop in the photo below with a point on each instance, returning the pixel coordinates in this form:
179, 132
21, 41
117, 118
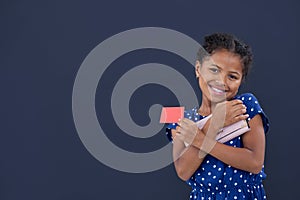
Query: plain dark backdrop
42, 45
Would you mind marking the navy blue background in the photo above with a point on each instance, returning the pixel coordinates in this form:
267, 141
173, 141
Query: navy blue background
42, 45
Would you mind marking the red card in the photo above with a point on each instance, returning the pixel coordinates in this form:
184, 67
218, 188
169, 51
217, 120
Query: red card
171, 114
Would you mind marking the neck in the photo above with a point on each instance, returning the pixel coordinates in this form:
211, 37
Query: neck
207, 107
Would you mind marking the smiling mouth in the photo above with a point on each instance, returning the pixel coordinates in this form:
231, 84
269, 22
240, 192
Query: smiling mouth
217, 91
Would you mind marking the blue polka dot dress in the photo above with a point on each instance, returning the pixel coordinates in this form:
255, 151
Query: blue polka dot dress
215, 180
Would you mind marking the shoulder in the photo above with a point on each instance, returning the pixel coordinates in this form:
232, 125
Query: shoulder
251, 102
246, 97
254, 108
192, 114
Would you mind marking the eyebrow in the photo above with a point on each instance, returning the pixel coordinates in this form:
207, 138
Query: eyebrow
229, 71
235, 72
215, 65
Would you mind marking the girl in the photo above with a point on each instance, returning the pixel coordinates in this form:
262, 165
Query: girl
233, 170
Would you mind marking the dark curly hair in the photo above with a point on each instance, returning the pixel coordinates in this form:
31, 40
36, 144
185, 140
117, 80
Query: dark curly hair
218, 41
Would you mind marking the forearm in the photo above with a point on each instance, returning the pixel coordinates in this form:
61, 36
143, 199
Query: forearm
186, 159
249, 158
241, 158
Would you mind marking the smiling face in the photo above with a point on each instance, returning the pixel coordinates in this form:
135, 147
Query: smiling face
220, 76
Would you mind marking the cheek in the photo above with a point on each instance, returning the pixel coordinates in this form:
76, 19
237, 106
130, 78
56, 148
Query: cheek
206, 75
235, 85
202, 83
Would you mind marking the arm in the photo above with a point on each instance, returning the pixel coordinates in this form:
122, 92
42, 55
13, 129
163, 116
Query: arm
249, 158
186, 159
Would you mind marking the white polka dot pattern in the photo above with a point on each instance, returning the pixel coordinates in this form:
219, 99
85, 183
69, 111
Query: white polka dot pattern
216, 180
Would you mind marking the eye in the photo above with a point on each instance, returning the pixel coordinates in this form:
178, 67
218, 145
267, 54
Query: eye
214, 70
233, 77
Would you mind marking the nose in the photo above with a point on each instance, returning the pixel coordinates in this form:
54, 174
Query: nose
221, 81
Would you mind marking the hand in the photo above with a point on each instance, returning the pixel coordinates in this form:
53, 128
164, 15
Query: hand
186, 131
228, 112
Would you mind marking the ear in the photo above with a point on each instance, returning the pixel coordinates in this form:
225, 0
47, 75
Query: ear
197, 68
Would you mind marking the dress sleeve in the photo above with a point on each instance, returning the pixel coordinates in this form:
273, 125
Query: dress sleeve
254, 108
168, 131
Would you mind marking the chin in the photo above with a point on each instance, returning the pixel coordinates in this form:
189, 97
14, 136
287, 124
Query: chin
219, 99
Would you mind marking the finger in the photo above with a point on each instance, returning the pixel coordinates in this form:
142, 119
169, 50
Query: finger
236, 102
242, 117
238, 106
179, 130
187, 121
184, 120
179, 122
239, 118
180, 137
184, 137
183, 133
186, 124
181, 126
238, 111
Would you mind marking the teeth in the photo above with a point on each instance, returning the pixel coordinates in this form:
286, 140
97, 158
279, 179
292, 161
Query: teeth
217, 90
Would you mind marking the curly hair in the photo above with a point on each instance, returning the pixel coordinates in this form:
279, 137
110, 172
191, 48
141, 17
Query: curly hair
218, 41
